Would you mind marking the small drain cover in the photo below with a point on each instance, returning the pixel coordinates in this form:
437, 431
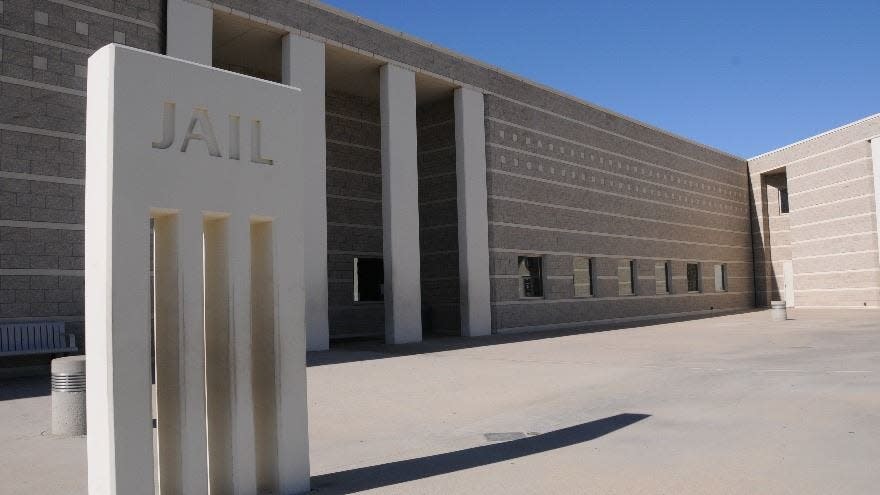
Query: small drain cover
504, 436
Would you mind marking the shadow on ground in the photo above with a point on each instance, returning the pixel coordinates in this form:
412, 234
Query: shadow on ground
23, 388
392, 473
364, 350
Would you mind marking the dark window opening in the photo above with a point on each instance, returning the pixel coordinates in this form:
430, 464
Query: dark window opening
783, 200
693, 277
369, 280
531, 284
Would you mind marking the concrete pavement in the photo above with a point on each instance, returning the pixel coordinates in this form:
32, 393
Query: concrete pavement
732, 404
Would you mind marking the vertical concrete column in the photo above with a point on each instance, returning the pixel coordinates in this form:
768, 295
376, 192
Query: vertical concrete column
303, 67
875, 156
243, 446
193, 431
189, 31
118, 395
400, 206
473, 220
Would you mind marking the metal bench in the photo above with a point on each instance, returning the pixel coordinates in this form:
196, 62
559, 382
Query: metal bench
39, 337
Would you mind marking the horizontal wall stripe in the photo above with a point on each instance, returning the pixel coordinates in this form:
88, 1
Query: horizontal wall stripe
354, 225
842, 253
849, 198
826, 169
437, 201
613, 153
614, 215
616, 236
44, 41
436, 150
353, 119
836, 272
43, 86
42, 178
356, 253
42, 272
621, 136
436, 176
839, 289
351, 171
609, 321
830, 220
440, 227
607, 193
830, 184
436, 124
352, 145
354, 198
597, 170
818, 239
41, 225
42, 132
435, 253
669, 295
105, 13
606, 255
439, 279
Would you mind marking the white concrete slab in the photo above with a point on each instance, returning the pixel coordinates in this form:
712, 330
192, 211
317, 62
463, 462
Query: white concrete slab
220, 152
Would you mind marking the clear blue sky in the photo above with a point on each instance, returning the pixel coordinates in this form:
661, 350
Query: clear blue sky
745, 76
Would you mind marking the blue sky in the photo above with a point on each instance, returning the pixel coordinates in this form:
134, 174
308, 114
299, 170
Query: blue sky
744, 76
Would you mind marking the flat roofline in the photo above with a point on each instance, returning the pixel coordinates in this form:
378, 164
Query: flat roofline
817, 136
465, 58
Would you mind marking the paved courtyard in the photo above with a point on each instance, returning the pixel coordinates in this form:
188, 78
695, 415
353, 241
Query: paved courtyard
733, 404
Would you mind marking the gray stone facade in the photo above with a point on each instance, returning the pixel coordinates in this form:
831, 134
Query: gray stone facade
44, 47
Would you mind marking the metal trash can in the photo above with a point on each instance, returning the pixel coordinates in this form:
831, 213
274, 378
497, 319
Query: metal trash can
778, 311
69, 396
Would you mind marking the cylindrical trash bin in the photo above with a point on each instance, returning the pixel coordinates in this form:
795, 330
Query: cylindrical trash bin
69, 396
777, 311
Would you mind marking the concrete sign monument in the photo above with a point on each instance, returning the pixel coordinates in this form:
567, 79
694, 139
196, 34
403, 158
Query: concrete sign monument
212, 161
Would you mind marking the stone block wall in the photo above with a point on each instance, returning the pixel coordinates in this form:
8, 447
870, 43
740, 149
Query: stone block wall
44, 47
438, 218
354, 210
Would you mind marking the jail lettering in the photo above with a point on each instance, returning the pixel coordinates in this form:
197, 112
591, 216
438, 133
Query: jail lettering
201, 128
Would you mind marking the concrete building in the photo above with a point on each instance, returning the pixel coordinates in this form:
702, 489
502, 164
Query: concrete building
447, 196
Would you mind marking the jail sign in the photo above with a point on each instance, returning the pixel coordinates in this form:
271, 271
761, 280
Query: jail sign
194, 279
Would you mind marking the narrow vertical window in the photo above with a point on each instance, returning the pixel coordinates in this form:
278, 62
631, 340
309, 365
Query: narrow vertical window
626, 277
720, 278
662, 277
693, 277
530, 275
783, 200
583, 276
369, 280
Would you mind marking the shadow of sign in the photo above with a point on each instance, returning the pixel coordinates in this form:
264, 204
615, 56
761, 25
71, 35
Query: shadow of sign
392, 473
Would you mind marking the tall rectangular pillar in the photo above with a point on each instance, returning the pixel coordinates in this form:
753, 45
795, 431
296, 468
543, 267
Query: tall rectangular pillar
303, 67
400, 206
473, 220
189, 32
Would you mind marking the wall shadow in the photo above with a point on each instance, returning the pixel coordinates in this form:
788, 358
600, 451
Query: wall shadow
363, 350
392, 473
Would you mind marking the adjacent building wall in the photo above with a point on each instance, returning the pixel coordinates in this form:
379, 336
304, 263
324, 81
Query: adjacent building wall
44, 46
832, 221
